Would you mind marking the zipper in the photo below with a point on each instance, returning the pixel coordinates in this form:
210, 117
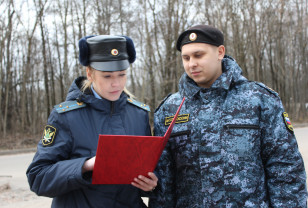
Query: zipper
112, 108
242, 126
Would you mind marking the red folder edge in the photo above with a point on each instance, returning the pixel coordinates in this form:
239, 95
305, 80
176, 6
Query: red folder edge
113, 171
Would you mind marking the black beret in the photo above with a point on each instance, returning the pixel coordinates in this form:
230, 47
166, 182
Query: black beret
200, 34
107, 52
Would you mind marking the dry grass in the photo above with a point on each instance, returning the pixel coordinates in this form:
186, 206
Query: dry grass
19, 142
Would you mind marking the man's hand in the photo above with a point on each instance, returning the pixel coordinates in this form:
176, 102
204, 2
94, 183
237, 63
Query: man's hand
145, 183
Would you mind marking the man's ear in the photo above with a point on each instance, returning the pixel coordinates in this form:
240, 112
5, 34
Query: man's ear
221, 52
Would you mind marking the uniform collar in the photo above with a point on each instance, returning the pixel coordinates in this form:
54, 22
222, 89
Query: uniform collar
187, 87
231, 73
95, 93
105, 105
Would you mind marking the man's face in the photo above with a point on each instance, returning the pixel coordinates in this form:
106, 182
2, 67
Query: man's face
202, 62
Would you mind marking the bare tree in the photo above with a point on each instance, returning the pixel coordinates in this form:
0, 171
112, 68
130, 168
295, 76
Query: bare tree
301, 34
8, 36
104, 14
268, 38
64, 12
41, 8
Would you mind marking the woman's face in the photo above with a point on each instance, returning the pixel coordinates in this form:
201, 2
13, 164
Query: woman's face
108, 85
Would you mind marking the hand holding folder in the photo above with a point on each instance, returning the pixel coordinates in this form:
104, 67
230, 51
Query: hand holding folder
121, 158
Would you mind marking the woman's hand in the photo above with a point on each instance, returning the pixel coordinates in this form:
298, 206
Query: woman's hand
145, 183
88, 165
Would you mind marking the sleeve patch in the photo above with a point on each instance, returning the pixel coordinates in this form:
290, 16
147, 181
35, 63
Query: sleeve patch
49, 135
287, 122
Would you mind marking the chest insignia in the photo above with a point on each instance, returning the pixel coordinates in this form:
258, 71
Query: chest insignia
183, 118
49, 135
287, 121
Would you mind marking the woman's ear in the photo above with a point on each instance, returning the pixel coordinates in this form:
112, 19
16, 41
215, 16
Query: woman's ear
90, 73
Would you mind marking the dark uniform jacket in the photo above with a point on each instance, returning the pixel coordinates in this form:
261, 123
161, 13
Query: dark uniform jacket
233, 146
56, 168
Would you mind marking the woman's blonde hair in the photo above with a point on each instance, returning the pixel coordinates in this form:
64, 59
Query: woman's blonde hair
86, 84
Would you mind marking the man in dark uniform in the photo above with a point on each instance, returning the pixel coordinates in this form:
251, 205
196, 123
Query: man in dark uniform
234, 145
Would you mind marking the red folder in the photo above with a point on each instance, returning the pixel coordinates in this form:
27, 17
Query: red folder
121, 158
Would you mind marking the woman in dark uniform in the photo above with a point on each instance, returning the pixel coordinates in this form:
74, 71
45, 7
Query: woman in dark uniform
99, 104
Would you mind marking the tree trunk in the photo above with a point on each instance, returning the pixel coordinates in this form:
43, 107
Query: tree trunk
46, 82
8, 69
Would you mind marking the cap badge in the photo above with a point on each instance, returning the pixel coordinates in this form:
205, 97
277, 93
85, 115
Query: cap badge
192, 36
114, 52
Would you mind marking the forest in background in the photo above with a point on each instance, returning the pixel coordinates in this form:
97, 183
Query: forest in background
39, 49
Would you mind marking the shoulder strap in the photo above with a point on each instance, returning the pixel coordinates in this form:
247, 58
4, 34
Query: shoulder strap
162, 102
267, 88
139, 104
68, 106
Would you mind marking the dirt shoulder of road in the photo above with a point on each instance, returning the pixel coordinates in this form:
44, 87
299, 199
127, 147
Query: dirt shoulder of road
18, 144
300, 125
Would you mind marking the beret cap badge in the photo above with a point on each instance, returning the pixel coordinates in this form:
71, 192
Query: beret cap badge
200, 34
192, 36
114, 52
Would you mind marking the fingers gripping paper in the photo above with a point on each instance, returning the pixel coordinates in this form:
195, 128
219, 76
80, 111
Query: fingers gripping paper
121, 158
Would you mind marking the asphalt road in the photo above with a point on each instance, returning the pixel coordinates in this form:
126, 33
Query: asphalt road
13, 174
14, 189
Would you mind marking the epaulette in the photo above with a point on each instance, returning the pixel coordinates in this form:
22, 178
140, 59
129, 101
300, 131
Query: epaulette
267, 88
139, 104
68, 106
162, 102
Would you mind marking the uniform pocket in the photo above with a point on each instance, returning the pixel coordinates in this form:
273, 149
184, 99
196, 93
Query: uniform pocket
186, 157
181, 147
242, 140
180, 133
244, 174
